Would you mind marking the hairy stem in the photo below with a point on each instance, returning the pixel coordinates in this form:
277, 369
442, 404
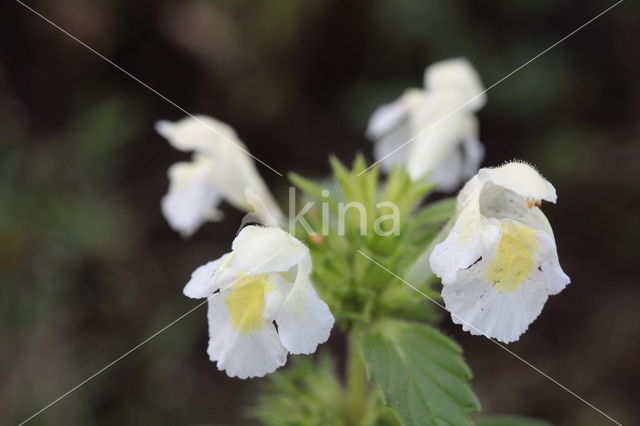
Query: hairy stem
356, 380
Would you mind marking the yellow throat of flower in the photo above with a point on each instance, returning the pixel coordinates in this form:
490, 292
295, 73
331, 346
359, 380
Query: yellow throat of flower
514, 258
246, 302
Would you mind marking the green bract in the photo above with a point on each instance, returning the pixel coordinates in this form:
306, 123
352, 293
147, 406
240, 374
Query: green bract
355, 288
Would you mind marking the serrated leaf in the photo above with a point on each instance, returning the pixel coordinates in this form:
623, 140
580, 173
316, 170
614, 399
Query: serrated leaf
510, 421
421, 374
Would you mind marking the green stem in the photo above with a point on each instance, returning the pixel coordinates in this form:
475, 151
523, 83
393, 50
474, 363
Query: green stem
356, 379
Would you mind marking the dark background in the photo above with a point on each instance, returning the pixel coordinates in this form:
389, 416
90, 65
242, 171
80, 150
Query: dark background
89, 268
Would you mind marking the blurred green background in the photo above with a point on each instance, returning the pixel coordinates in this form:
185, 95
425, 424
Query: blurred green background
89, 268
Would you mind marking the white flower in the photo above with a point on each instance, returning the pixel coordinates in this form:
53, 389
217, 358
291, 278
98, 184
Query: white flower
221, 170
264, 279
499, 262
440, 123
190, 200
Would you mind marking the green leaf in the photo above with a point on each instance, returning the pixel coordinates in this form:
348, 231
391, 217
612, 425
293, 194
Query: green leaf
421, 373
397, 183
401, 190
307, 186
435, 213
359, 164
312, 190
510, 421
343, 176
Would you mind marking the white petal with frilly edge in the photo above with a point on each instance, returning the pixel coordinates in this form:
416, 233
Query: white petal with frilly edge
242, 355
304, 320
481, 308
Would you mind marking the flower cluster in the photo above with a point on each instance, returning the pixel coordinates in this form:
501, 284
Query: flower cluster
278, 293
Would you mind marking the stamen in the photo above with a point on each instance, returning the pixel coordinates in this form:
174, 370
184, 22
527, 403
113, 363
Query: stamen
532, 202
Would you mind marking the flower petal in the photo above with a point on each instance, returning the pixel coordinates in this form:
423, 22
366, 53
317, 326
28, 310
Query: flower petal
191, 199
448, 173
555, 278
438, 128
263, 207
483, 310
522, 179
500, 203
457, 75
202, 283
504, 310
234, 171
260, 249
468, 236
197, 133
385, 118
304, 320
388, 151
391, 129
473, 149
242, 355
465, 153
461, 249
